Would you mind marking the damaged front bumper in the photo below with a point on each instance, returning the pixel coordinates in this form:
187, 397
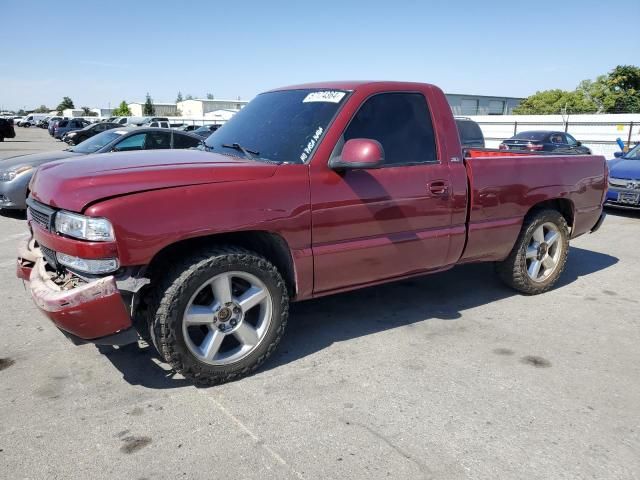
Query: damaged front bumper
86, 312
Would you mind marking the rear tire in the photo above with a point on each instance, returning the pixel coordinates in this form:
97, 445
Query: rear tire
219, 314
540, 254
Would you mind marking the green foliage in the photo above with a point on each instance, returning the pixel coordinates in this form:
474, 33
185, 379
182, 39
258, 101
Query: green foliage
179, 97
616, 92
122, 110
148, 109
209, 96
189, 97
64, 104
42, 109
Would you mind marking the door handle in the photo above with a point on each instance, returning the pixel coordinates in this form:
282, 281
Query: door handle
439, 187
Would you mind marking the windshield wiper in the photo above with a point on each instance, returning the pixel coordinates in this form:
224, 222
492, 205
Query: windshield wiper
247, 153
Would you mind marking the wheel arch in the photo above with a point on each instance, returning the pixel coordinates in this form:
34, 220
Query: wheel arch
564, 206
268, 244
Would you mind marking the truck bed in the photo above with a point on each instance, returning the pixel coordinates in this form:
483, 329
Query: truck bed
504, 186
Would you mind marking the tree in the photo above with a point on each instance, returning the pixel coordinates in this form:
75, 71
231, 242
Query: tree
122, 110
624, 85
86, 111
209, 96
189, 96
555, 101
616, 92
64, 104
148, 109
42, 109
179, 97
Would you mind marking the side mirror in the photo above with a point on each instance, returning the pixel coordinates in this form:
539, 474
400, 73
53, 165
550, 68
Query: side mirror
359, 153
579, 143
618, 154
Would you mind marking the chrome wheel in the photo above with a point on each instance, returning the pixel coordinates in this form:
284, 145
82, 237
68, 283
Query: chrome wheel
227, 318
544, 252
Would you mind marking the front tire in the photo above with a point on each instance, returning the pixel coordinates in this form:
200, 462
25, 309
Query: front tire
540, 254
219, 314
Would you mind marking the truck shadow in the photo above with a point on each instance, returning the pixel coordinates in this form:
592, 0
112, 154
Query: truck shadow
316, 324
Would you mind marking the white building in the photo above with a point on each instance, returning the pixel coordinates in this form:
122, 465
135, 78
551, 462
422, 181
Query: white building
220, 116
481, 104
72, 113
102, 112
198, 108
161, 109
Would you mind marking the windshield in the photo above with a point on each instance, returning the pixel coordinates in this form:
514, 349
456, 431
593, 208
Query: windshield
633, 154
283, 126
98, 141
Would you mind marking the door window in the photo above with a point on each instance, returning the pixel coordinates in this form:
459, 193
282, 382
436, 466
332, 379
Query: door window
134, 142
185, 141
570, 140
557, 138
158, 141
401, 122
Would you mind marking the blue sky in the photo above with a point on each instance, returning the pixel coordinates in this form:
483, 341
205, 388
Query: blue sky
104, 52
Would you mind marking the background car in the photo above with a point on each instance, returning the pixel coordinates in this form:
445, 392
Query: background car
206, 130
6, 129
65, 126
78, 136
624, 179
16, 172
470, 133
53, 124
45, 123
188, 128
545, 141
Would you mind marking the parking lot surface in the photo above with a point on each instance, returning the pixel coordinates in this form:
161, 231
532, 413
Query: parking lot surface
450, 376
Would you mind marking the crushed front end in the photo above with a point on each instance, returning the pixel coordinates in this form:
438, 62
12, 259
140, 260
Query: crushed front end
86, 307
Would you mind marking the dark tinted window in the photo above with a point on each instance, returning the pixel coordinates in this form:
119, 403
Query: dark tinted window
531, 136
63, 123
184, 141
401, 123
284, 126
158, 140
557, 138
470, 132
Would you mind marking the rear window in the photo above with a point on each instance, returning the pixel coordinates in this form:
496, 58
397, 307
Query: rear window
531, 136
469, 131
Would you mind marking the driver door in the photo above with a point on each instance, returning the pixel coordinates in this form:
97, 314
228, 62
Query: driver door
377, 224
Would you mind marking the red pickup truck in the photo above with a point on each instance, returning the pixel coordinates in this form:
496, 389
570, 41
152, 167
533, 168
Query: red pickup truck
309, 190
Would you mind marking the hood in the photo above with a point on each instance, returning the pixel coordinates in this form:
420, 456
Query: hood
626, 169
35, 159
73, 185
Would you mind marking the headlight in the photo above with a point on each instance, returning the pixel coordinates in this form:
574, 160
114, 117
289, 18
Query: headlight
102, 265
13, 172
85, 228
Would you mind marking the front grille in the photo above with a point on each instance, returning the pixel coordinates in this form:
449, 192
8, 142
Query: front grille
49, 256
40, 214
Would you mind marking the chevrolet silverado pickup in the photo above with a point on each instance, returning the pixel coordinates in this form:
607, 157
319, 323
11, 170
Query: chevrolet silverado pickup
308, 191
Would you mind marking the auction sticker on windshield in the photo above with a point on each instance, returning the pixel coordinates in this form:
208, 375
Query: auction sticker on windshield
330, 96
